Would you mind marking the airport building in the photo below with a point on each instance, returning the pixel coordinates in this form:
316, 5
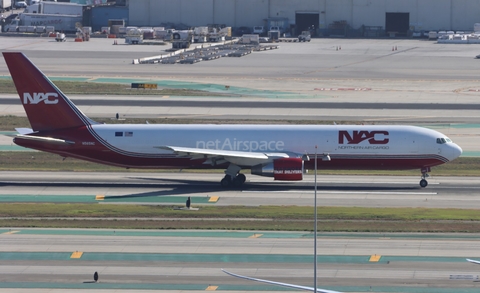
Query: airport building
326, 17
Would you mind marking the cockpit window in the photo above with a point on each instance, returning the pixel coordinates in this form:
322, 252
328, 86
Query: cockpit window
442, 140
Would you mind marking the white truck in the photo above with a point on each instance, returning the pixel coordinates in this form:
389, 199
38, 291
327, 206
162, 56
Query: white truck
55, 8
274, 33
304, 37
65, 23
5, 5
258, 30
134, 36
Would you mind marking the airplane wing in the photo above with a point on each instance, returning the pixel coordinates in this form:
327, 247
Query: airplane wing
197, 153
473, 261
49, 140
281, 284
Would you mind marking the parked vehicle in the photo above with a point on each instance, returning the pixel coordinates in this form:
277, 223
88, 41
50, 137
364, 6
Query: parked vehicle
21, 4
66, 23
134, 36
5, 5
62, 16
60, 37
258, 30
275, 28
55, 8
304, 37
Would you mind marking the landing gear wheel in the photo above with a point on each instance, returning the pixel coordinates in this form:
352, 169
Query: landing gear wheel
423, 183
241, 178
238, 180
226, 181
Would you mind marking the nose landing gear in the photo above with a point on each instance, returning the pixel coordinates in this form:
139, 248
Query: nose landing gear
424, 182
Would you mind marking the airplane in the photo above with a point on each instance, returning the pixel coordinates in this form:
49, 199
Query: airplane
287, 285
283, 152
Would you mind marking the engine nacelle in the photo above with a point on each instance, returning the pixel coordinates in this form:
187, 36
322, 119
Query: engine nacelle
287, 169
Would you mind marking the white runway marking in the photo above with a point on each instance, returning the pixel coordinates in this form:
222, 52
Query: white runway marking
343, 192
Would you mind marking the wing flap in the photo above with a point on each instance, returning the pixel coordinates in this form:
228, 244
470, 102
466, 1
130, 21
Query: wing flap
216, 157
208, 153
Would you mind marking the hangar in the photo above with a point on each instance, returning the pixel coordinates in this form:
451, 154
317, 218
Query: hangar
326, 17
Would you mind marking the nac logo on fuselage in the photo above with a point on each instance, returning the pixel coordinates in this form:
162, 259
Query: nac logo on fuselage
47, 98
356, 137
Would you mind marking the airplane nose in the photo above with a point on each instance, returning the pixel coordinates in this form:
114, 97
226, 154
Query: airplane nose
456, 151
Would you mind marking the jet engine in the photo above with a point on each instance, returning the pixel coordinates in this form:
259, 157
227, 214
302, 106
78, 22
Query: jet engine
287, 169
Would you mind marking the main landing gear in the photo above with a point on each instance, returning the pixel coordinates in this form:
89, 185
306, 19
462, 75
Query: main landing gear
424, 182
233, 177
236, 181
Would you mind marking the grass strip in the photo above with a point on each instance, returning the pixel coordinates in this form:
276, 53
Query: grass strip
97, 88
205, 224
268, 218
79, 210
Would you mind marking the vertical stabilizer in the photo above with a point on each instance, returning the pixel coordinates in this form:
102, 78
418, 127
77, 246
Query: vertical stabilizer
46, 106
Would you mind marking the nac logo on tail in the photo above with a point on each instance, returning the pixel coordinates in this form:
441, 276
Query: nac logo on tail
47, 98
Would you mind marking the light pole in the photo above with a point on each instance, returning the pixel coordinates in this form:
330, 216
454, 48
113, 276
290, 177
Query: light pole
315, 229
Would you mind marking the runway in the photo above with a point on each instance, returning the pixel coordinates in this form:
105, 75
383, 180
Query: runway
242, 110
58, 260
258, 104
174, 188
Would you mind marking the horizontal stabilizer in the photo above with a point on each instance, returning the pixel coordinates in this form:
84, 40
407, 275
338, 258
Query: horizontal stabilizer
49, 140
24, 130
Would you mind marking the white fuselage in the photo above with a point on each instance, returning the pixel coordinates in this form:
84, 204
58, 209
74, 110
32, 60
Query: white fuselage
339, 141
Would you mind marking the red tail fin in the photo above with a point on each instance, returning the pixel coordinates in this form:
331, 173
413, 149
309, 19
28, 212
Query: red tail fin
46, 106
